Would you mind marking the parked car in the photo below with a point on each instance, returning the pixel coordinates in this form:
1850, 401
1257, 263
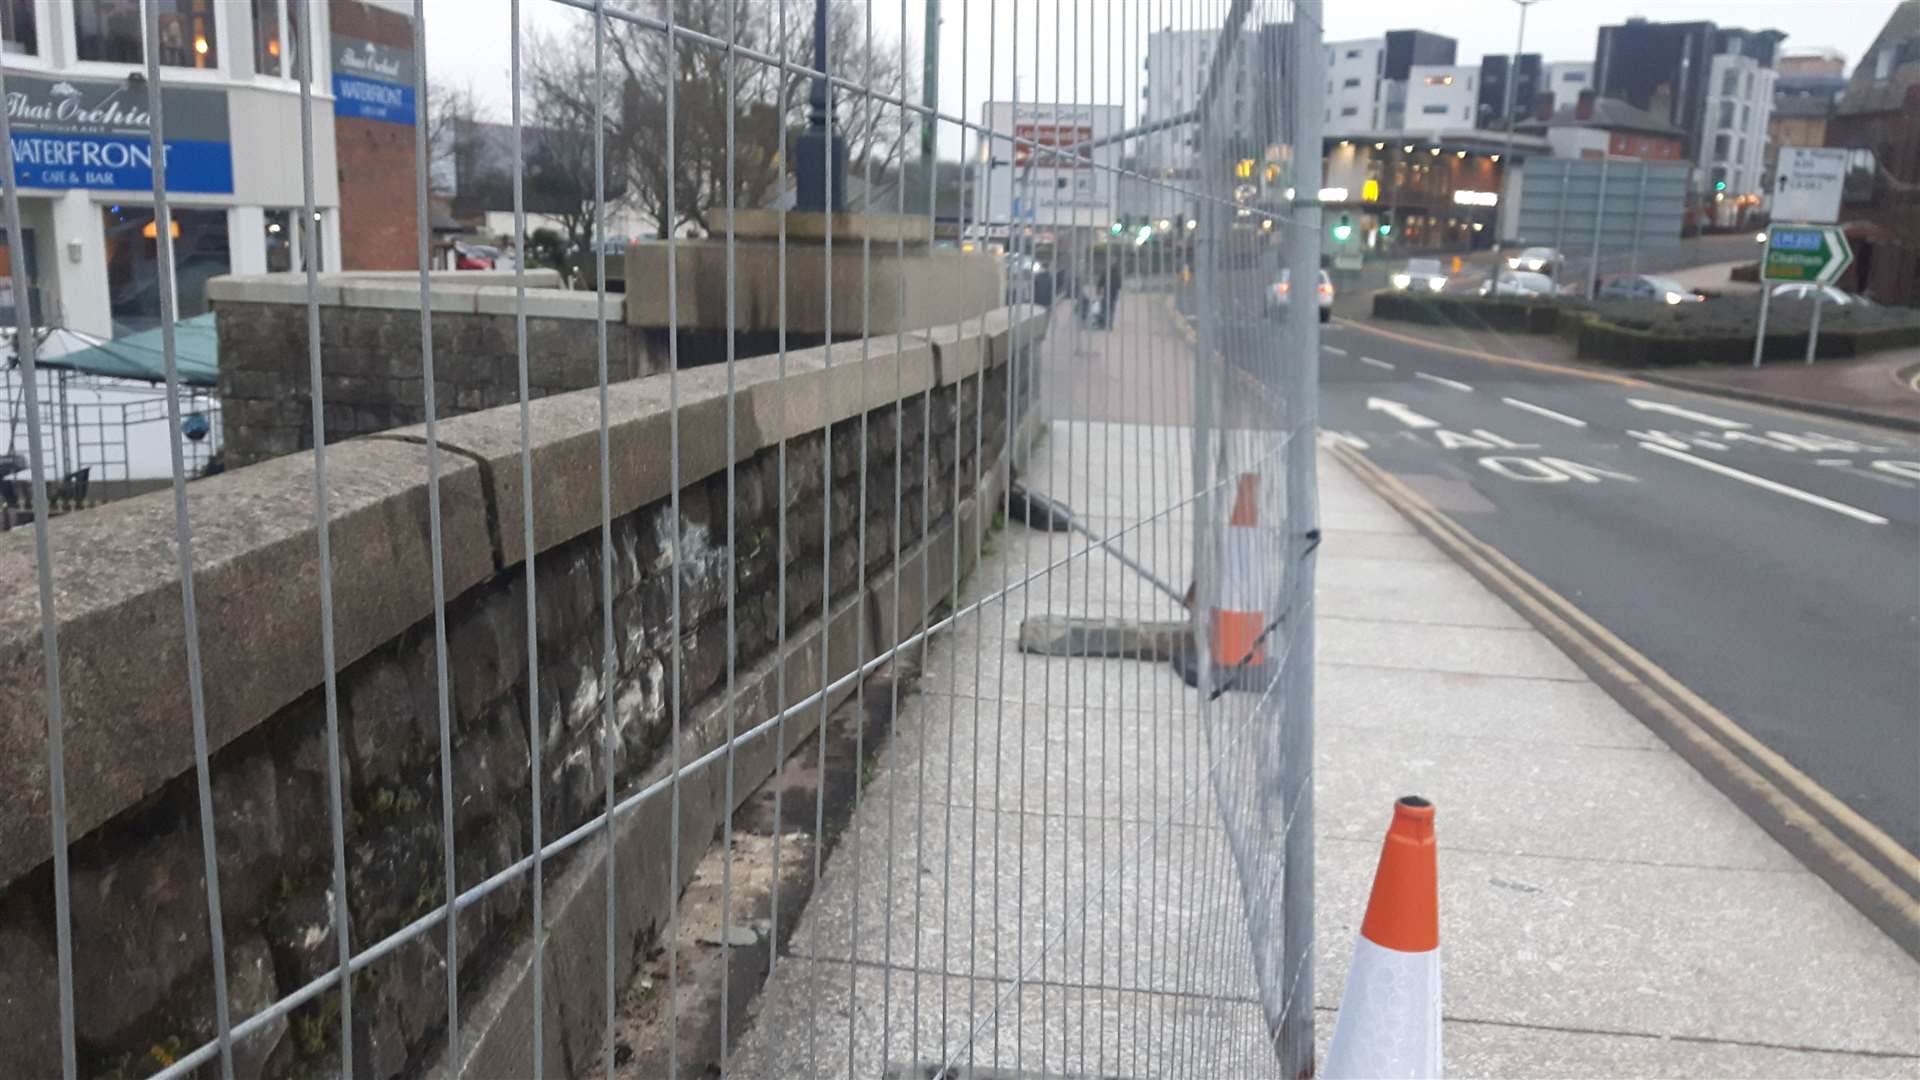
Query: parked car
1803, 290
1519, 283
1647, 287
474, 256
1421, 274
1538, 260
1278, 295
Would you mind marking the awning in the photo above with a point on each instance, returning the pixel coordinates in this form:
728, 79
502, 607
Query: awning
138, 356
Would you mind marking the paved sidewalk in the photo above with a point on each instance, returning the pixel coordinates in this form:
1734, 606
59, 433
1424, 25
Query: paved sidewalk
1604, 911
1032, 882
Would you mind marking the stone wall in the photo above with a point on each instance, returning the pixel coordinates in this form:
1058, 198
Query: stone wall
142, 965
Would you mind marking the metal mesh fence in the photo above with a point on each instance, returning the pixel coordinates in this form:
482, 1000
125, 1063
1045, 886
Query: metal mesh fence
1049, 809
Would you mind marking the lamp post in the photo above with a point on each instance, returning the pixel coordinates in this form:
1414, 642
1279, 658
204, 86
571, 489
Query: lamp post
820, 153
1506, 159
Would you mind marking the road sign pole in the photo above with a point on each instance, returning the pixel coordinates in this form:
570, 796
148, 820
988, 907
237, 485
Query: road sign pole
1766, 294
1813, 327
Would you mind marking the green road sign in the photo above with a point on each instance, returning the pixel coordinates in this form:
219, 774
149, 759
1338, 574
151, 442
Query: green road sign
1814, 253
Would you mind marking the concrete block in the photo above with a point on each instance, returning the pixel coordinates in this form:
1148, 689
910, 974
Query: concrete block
288, 288
122, 638
880, 294
813, 228
548, 303
831, 383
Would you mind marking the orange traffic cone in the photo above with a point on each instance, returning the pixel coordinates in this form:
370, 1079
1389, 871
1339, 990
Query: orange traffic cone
1389, 1024
1239, 617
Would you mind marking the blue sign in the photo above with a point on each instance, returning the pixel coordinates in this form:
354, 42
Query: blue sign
372, 99
1796, 239
97, 134
120, 164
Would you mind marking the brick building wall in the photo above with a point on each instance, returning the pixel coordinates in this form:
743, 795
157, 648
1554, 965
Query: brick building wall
378, 229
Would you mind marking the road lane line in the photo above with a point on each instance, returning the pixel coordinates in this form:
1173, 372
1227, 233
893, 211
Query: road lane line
1378, 363
1443, 382
1401, 413
1334, 350
1686, 414
1769, 485
1541, 410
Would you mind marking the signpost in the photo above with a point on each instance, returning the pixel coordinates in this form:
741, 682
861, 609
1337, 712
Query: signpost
1807, 184
1814, 254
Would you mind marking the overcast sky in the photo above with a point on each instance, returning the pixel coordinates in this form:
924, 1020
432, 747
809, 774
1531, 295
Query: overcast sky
467, 40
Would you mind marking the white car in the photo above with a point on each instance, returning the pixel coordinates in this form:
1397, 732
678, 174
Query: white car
1538, 260
1519, 283
1421, 274
1277, 298
1803, 290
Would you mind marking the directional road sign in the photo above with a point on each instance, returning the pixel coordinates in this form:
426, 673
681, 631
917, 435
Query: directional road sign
1815, 253
1807, 184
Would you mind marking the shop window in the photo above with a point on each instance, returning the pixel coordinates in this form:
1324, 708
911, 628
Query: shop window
19, 28
200, 253
113, 30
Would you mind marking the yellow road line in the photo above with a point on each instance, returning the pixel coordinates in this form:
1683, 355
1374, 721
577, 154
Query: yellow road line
1772, 780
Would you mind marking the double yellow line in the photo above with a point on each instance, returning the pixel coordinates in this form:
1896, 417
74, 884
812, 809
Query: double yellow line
1871, 869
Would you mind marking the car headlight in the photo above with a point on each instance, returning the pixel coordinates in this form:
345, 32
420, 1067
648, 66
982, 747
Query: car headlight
1534, 264
1674, 298
1401, 281
1513, 264
1436, 284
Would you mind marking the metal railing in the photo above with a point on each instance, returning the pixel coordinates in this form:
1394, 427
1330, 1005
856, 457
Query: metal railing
1159, 861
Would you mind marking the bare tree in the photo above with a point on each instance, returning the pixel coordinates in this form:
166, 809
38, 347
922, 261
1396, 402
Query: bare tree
635, 85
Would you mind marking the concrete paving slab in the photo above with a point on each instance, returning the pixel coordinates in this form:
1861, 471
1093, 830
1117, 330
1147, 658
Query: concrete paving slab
1494, 1050
1363, 697
1402, 545
1405, 591
1468, 650
1739, 955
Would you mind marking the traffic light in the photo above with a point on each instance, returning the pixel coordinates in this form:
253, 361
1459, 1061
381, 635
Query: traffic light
1386, 229
1114, 229
1719, 185
1344, 230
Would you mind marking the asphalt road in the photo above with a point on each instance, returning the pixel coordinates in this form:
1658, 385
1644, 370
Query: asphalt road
1769, 560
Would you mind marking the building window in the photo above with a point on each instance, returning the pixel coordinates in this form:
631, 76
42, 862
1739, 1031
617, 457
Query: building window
1434, 110
1573, 77
112, 31
1350, 110
269, 50
1726, 114
1745, 117
1351, 83
1730, 82
1721, 143
200, 254
1749, 90
19, 28
1353, 54
1740, 149
1439, 80
1883, 64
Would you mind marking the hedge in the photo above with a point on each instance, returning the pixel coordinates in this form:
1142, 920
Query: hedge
1636, 334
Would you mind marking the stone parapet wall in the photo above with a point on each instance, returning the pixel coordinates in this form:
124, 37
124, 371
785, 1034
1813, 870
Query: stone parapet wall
142, 959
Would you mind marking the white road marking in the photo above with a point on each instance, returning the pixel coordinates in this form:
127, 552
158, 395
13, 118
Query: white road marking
1710, 444
1453, 440
1758, 440
1335, 351
1908, 469
1768, 485
1443, 382
1549, 470
1541, 410
1400, 412
1341, 438
1378, 363
1687, 414
1586, 474
1503, 442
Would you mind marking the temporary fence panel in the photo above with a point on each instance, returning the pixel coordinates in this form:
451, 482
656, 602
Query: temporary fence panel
880, 660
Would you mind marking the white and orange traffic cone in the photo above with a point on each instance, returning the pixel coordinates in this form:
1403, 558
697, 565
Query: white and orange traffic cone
1239, 618
1389, 1024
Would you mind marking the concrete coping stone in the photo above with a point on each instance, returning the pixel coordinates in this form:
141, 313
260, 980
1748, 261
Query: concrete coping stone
487, 292
127, 716
256, 577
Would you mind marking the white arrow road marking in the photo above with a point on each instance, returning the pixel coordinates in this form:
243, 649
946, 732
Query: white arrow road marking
1334, 351
1908, 469
1541, 410
1768, 485
1400, 412
1443, 382
1341, 438
1686, 414
1377, 363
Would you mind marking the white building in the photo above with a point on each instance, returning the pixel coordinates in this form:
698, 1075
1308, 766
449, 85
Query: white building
1177, 66
1439, 97
1356, 87
1566, 78
1733, 144
76, 79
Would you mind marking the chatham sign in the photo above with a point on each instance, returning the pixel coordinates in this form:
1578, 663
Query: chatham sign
89, 133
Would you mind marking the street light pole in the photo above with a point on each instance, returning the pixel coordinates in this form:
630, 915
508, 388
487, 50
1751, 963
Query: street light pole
1506, 158
820, 154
